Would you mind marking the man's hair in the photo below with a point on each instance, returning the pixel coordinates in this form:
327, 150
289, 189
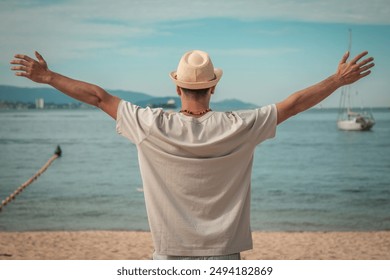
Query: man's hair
196, 92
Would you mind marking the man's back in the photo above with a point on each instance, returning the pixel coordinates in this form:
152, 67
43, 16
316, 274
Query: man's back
196, 174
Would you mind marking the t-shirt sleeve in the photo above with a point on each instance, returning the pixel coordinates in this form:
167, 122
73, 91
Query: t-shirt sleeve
134, 122
262, 123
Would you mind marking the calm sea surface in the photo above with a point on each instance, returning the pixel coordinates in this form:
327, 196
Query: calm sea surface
311, 177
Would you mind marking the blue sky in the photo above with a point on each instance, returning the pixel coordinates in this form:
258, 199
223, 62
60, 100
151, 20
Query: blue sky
267, 49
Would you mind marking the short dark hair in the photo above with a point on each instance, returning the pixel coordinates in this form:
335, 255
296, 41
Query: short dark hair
197, 92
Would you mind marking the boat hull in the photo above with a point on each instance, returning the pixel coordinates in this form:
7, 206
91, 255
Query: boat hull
352, 125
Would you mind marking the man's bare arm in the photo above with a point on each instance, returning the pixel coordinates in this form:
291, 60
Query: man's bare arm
347, 73
38, 71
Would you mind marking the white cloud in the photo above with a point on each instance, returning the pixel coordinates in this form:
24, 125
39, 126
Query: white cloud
81, 24
349, 11
66, 28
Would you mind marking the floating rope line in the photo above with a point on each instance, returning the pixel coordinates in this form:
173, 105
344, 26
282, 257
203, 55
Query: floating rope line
12, 196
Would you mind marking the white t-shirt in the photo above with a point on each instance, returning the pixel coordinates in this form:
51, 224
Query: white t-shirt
196, 175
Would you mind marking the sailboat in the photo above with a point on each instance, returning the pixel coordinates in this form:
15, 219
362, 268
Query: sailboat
352, 120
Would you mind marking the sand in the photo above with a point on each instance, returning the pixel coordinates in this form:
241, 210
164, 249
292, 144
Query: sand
119, 245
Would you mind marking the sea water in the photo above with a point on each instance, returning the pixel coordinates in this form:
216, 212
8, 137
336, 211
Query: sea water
310, 177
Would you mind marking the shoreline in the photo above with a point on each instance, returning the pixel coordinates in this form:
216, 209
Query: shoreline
137, 245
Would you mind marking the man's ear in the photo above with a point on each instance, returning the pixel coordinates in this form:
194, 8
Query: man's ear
212, 90
178, 90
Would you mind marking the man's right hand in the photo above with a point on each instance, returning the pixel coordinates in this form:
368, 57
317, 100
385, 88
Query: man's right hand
35, 70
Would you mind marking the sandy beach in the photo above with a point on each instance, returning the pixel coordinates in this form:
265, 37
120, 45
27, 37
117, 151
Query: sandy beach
132, 245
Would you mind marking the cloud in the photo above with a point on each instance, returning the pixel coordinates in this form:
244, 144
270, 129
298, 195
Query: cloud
349, 11
333, 11
120, 11
65, 27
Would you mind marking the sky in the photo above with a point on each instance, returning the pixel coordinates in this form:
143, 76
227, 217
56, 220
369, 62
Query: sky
267, 49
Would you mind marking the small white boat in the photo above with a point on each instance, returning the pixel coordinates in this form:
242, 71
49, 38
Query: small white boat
352, 120
356, 121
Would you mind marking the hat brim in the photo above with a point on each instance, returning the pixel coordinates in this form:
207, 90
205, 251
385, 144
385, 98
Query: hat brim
197, 85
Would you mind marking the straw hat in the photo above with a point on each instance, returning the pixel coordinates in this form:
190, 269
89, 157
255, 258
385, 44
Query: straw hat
196, 71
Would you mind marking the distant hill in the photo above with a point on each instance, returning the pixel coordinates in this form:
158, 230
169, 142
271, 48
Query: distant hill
232, 104
50, 95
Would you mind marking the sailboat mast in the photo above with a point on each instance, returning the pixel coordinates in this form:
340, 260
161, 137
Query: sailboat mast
350, 40
344, 104
348, 89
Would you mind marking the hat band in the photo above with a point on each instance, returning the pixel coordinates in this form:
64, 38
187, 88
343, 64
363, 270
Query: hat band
213, 79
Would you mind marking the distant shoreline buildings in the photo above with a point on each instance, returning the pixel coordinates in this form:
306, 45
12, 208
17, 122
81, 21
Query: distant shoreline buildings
41, 104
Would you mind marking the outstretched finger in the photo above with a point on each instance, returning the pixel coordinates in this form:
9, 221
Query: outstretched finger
362, 75
366, 67
19, 62
39, 57
24, 57
364, 62
358, 57
21, 74
19, 68
344, 58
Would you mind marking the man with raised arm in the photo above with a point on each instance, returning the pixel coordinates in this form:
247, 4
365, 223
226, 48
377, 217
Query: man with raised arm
196, 164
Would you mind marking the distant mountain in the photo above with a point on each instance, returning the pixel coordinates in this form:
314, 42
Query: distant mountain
232, 104
50, 95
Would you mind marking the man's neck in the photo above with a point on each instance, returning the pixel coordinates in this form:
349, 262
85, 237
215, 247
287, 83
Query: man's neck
195, 107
